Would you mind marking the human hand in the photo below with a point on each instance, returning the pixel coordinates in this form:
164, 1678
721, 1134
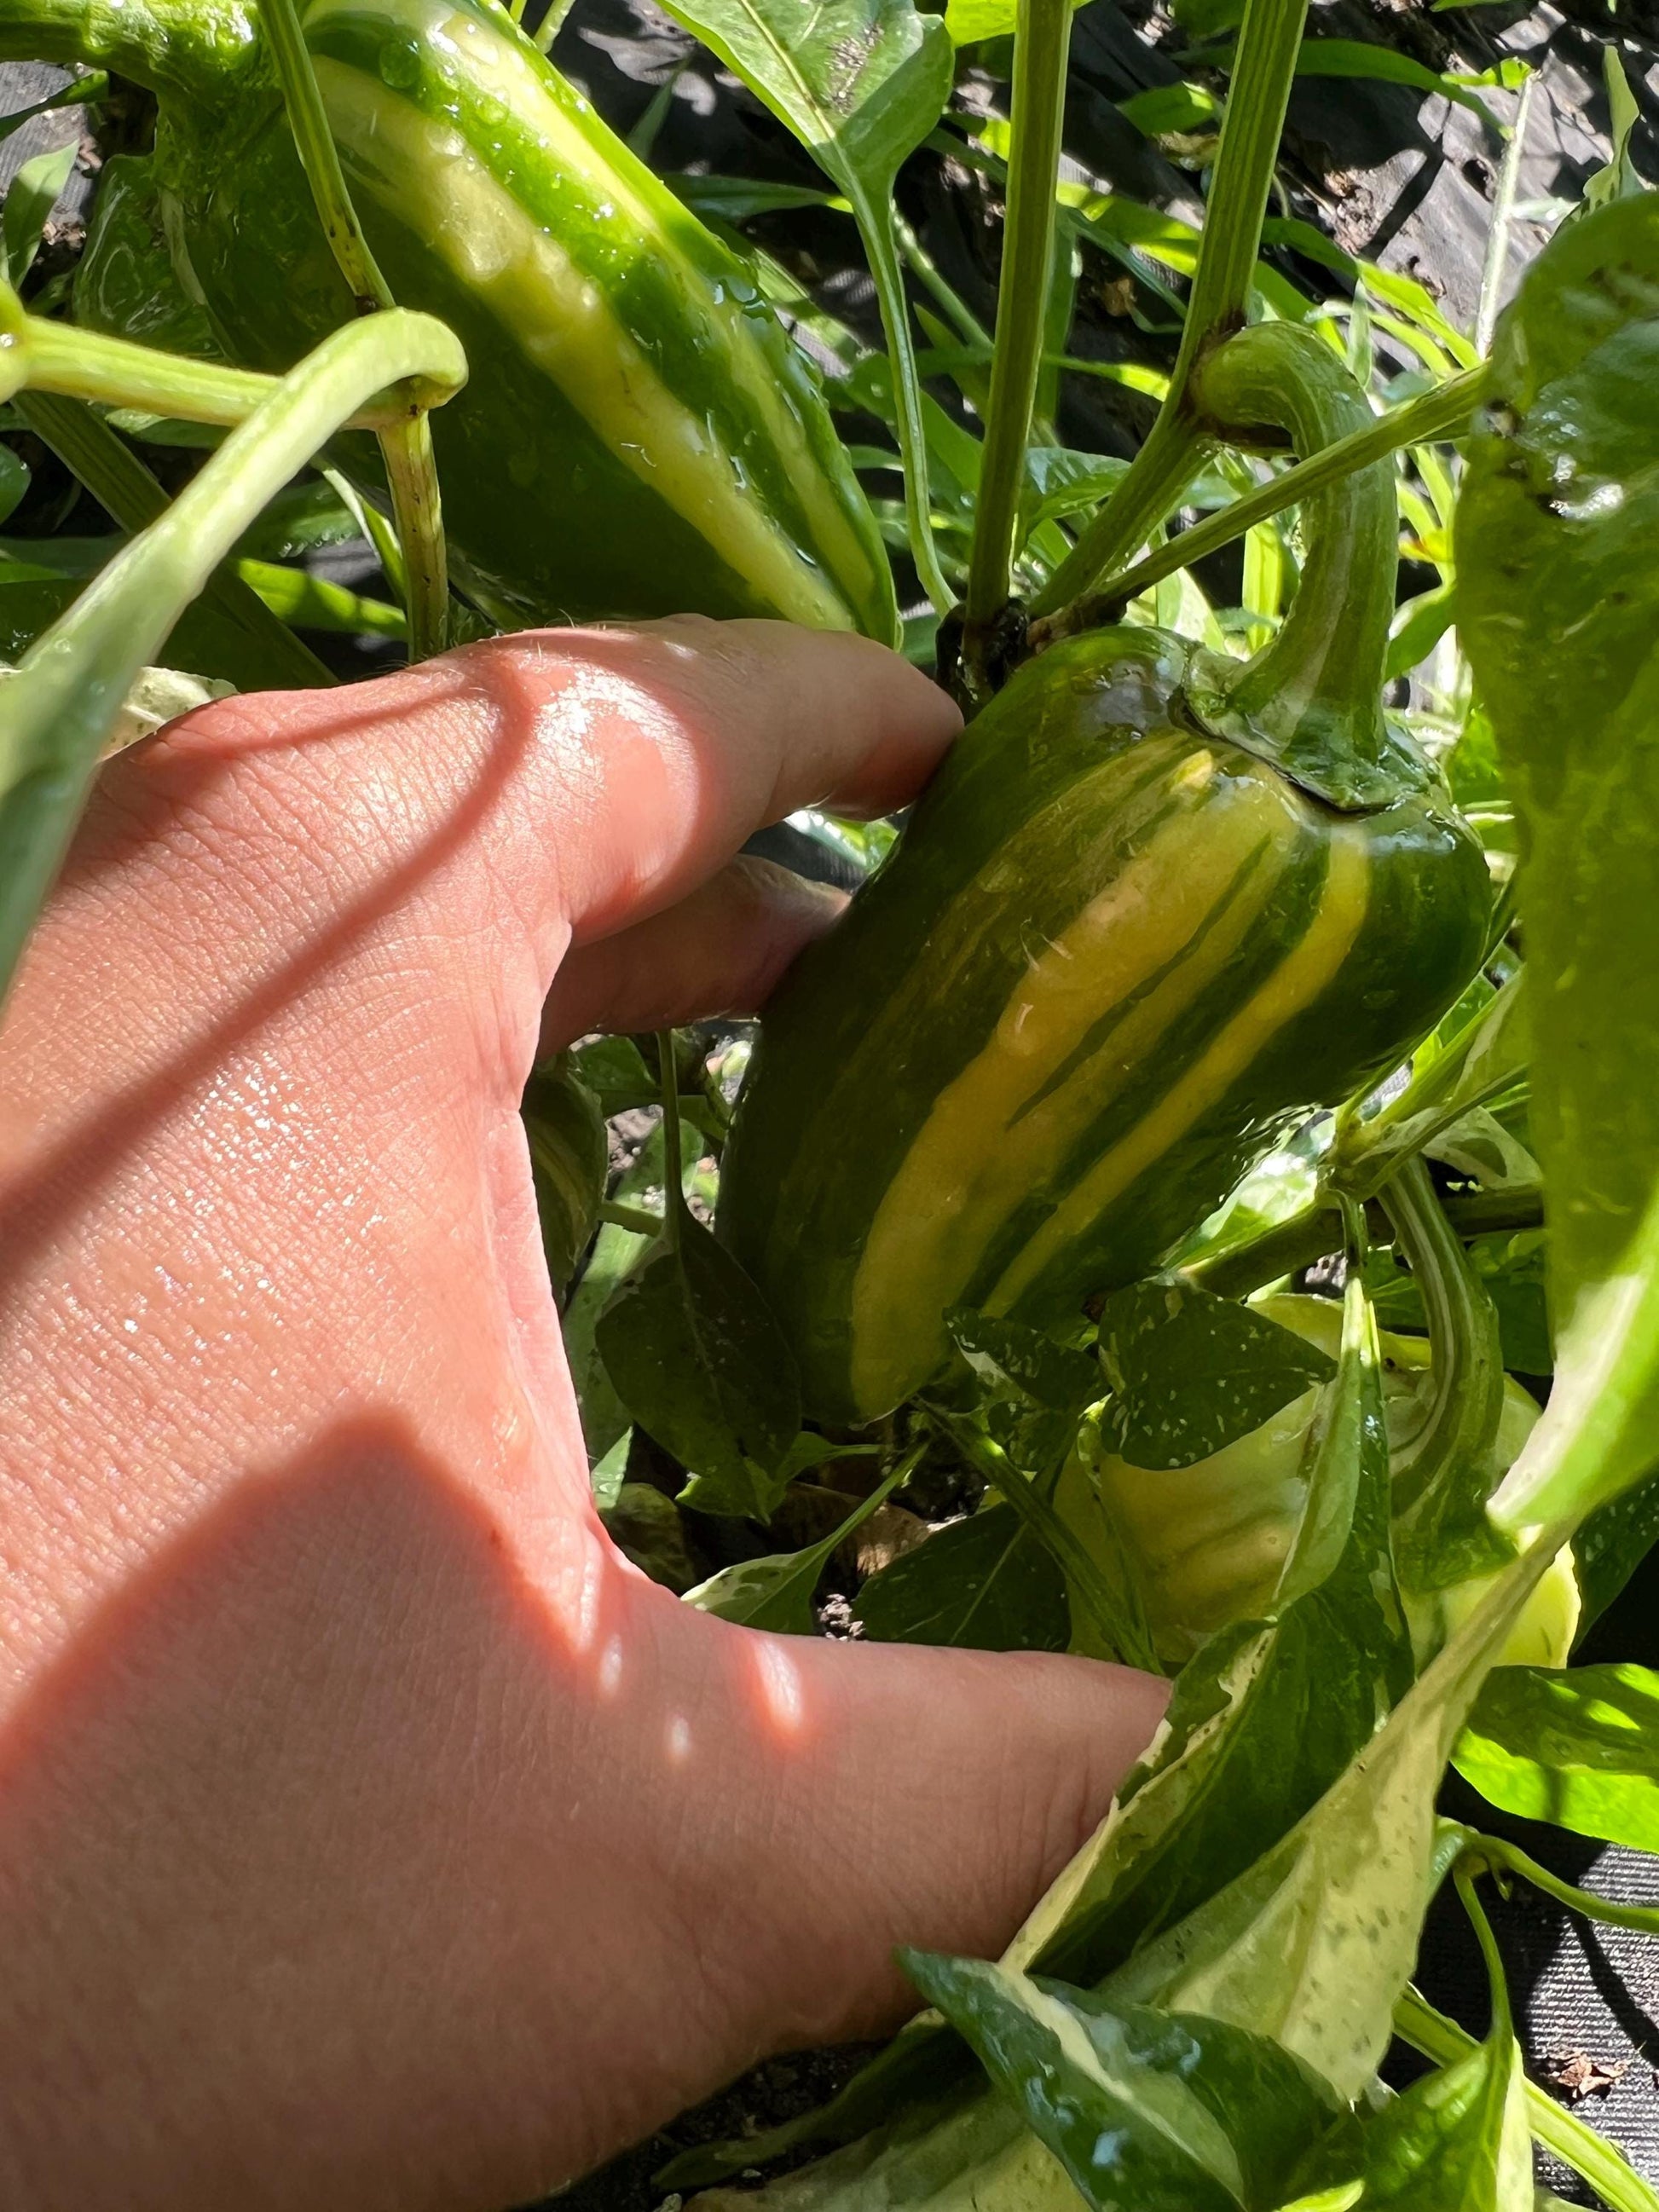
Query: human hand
371, 1833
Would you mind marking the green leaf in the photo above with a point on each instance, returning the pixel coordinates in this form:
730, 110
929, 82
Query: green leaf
1578, 1746
605, 1477
1462, 2136
1266, 1717
207, 639
1147, 2110
1191, 1373
302, 519
1034, 1388
1358, 57
859, 82
1620, 179
13, 480
1006, 1356
1166, 108
1059, 481
696, 1357
125, 283
618, 1255
1315, 1941
228, 633
31, 599
1612, 1543
1606, 2170
614, 1070
986, 1583
1458, 2137
734, 199
30, 198
1418, 628
568, 1158
969, 21
1208, 18
808, 1450
646, 1525
776, 1593
1559, 610
315, 603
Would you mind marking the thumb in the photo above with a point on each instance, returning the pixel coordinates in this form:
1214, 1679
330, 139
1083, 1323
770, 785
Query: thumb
880, 1795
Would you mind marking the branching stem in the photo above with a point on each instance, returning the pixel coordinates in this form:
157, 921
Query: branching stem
1042, 42
1260, 90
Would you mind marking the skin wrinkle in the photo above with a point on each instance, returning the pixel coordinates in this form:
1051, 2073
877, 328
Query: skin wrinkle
332, 1873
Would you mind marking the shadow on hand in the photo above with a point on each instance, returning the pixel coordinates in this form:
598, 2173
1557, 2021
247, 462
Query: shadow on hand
310, 1933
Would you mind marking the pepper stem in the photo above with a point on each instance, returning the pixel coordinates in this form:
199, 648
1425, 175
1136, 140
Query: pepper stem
1440, 1533
1311, 699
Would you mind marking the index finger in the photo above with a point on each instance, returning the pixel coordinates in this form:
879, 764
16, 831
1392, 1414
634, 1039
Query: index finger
672, 743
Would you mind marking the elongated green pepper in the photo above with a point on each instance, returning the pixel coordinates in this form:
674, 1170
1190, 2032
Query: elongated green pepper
638, 436
1154, 905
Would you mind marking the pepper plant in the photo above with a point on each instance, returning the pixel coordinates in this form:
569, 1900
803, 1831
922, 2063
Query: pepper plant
1199, 973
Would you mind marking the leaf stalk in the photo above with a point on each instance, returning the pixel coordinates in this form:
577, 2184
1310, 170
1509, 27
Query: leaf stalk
59, 707
1444, 413
406, 445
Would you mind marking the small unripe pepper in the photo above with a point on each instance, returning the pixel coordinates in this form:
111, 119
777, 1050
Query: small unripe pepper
1209, 1539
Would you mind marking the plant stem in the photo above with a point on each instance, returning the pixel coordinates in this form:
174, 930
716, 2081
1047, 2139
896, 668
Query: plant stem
1605, 2169
1488, 1055
551, 24
406, 448
1440, 414
640, 1219
922, 265
1492, 1853
1041, 45
1316, 1231
1243, 175
61, 705
120, 483
1503, 2021
1442, 1485
987, 1458
1313, 693
668, 1086
43, 356
875, 229
1502, 216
